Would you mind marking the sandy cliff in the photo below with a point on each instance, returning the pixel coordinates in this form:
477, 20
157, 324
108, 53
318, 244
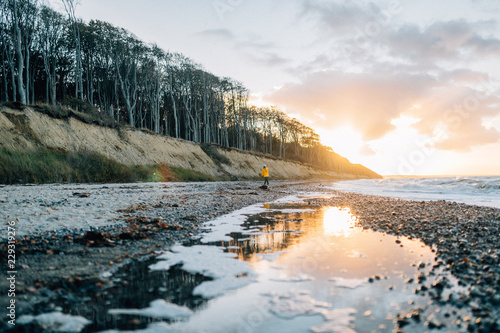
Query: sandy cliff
28, 129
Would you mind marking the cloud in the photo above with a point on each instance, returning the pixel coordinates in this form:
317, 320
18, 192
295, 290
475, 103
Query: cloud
368, 31
485, 46
367, 101
336, 16
370, 101
367, 151
454, 41
253, 47
345, 18
464, 76
269, 59
378, 70
352, 28
223, 34
471, 135
454, 114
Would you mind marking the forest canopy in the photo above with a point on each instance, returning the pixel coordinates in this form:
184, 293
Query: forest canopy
56, 58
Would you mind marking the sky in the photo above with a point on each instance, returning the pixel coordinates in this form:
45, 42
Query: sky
400, 86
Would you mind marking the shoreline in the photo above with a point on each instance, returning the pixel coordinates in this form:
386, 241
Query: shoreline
465, 239
71, 208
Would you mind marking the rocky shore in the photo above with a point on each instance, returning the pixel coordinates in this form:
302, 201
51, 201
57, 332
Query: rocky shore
60, 261
466, 240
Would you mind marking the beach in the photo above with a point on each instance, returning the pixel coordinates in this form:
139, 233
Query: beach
465, 239
77, 237
73, 235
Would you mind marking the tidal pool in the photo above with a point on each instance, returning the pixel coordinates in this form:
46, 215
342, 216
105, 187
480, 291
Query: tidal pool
291, 268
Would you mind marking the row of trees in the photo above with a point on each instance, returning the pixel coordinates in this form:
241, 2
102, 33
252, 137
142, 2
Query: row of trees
55, 57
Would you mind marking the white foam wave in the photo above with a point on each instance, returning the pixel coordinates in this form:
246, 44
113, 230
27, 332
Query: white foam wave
482, 191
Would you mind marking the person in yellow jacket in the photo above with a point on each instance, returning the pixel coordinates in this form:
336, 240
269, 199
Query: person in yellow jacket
265, 174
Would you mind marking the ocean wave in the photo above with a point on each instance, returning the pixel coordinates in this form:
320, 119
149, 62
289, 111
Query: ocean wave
480, 190
458, 183
481, 183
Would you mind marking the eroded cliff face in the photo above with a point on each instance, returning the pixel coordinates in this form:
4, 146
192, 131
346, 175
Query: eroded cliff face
28, 129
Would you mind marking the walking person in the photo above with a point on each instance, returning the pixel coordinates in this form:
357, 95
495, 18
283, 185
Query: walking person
265, 174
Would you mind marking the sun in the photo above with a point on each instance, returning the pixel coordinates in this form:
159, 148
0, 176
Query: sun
376, 154
344, 140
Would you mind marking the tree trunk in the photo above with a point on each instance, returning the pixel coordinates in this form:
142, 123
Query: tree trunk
4, 75
176, 119
20, 56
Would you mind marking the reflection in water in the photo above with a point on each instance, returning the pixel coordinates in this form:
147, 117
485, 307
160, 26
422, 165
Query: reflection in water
138, 287
318, 272
338, 222
315, 271
135, 286
265, 233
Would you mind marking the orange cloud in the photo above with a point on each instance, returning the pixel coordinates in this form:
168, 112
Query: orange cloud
370, 101
367, 102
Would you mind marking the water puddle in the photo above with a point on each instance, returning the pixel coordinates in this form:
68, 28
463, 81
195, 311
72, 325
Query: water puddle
284, 267
134, 287
315, 271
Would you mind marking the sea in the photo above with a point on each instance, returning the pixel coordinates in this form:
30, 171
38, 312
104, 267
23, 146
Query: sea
473, 190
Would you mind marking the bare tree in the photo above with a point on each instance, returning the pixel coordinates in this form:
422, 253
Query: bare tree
51, 29
8, 50
17, 37
70, 7
127, 52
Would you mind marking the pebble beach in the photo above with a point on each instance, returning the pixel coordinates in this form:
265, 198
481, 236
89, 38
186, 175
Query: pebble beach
78, 236
68, 236
466, 240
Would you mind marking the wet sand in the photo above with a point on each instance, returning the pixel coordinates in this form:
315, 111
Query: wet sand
465, 238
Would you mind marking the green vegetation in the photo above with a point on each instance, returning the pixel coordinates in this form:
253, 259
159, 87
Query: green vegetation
211, 151
53, 166
188, 175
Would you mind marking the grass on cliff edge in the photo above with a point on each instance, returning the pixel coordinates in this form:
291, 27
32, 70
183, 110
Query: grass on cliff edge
52, 166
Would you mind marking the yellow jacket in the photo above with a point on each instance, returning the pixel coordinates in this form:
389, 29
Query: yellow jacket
265, 172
